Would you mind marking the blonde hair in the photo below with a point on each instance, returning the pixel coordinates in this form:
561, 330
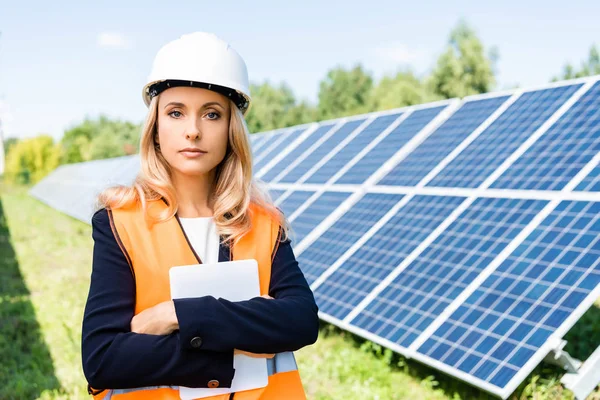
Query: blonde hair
235, 188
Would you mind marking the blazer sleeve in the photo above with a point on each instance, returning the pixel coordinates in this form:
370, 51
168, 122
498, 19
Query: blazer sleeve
286, 323
116, 358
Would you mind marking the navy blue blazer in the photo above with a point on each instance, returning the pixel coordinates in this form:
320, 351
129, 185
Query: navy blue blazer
209, 329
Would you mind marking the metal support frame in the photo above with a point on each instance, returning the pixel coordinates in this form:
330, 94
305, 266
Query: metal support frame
558, 356
585, 378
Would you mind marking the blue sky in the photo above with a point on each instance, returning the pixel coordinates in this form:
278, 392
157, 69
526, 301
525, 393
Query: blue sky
62, 61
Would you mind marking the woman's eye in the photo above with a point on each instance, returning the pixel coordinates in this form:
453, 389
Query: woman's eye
213, 115
175, 114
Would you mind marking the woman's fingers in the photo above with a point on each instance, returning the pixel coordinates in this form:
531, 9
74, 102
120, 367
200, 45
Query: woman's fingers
254, 355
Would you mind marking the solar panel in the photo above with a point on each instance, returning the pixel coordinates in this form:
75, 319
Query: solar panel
591, 182
257, 141
494, 145
316, 212
554, 159
346, 231
73, 188
276, 194
441, 142
390, 144
515, 311
294, 154
463, 234
264, 141
292, 201
278, 144
319, 154
360, 273
352, 148
426, 286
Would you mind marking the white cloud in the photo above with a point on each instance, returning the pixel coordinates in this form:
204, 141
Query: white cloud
113, 40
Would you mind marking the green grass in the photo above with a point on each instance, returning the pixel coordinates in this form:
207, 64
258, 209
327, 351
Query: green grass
45, 263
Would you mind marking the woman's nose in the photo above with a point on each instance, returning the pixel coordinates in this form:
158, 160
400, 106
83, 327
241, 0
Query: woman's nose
193, 135
193, 131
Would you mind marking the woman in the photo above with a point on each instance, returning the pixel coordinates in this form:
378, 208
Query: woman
193, 200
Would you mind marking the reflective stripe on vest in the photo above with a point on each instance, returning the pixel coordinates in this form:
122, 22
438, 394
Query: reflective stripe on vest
282, 362
150, 267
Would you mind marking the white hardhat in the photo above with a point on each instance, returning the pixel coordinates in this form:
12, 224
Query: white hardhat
202, 60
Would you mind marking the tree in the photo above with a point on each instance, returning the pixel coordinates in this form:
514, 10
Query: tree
30, 160
589, 67
404, 89
101, 138
276, 107
463, 69
8, 143
344, 92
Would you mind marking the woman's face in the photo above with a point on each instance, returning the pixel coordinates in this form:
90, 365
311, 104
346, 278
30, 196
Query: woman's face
193, 129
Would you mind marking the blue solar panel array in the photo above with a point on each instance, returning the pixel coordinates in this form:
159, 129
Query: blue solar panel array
314, 157
316, 212
275, 170
556, 157
282, 141
475, 270
437, 146
293, 201
493, 146
346, 231
385, 149
445, 268
352, 148
377, 258
513, 313
591, 182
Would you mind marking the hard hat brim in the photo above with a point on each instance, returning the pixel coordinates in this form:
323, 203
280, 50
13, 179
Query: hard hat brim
152, 89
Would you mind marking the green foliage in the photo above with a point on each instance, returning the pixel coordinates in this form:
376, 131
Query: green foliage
463, 69
589, 67
8, 143
404, 89
101, 138
275, 107
344, 92
30, 160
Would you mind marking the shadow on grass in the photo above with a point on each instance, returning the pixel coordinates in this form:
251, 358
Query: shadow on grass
544, 381
26, 368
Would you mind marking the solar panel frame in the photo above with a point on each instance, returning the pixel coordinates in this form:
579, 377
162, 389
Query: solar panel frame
591, 182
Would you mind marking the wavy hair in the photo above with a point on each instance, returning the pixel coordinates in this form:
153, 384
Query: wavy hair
235, 188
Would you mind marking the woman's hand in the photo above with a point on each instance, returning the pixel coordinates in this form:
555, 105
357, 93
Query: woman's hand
254, 355
158, 320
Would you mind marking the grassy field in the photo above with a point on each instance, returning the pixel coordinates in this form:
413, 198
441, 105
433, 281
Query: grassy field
45, 262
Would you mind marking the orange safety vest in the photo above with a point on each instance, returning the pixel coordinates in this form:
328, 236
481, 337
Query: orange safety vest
150, 261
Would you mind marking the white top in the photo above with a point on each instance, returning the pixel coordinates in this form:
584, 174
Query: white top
203, 236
